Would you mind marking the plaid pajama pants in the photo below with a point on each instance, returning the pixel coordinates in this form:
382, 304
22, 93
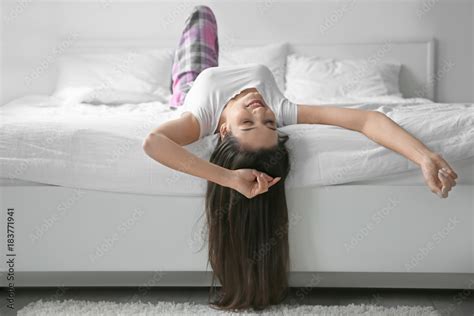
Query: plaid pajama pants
198, 49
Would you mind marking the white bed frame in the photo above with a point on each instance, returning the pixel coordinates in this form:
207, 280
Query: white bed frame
340, 236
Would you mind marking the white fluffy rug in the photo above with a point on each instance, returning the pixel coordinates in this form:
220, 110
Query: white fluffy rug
76, 307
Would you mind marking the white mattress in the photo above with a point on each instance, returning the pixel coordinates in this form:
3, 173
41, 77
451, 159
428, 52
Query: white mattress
99, 147
465, 169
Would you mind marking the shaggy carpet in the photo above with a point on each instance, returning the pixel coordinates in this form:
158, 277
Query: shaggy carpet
80, 307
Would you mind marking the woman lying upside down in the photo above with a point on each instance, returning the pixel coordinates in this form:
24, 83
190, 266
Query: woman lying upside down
245, 199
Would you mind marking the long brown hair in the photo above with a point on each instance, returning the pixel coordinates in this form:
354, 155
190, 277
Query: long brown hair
248, 238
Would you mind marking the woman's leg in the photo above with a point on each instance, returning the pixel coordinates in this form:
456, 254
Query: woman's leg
198, 49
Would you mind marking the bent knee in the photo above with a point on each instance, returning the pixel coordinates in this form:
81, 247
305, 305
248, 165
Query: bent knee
203, 9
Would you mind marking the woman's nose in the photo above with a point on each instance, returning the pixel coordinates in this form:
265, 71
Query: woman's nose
259, 109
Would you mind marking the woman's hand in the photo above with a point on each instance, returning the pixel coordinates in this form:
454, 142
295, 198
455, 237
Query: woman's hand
439, 176
251, 182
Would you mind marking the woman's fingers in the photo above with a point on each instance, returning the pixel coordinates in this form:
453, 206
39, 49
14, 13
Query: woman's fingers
450, 170
448, 177
446, 184
439, 176
274, 181
447, 167
266, 176
255, 172
433, 183
263, 184
452, 176
270, 181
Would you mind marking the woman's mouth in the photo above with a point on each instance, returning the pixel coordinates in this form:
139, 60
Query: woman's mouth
255, 103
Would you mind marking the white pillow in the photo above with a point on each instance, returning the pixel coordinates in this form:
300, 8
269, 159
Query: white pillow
115, 78
310, 79
273, 56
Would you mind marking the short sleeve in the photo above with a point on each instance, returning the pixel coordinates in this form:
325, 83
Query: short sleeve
198, 102
202, 118
288, 112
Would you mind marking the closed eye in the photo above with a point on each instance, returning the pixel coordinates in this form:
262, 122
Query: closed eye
267, 121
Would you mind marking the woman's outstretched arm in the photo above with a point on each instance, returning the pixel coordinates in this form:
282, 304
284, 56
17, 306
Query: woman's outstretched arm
164, 144
384, 131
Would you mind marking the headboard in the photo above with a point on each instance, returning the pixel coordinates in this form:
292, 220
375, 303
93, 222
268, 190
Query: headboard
416, 56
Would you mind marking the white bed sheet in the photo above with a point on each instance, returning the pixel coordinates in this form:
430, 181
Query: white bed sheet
465, 168
99, 147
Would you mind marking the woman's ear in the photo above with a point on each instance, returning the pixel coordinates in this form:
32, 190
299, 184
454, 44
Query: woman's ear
223, 130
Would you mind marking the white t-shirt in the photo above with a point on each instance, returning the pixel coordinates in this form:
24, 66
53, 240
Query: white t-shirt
215, 86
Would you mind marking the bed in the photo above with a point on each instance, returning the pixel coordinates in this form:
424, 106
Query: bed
91, 209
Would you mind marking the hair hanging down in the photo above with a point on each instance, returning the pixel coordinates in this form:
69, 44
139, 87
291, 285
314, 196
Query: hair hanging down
248, 238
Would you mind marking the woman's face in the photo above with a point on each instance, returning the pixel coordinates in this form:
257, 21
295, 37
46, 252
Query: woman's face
250, 119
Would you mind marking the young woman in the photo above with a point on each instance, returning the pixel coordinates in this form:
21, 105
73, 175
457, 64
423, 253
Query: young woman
245, 200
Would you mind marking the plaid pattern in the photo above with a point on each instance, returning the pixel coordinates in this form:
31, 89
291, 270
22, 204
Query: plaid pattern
198, 49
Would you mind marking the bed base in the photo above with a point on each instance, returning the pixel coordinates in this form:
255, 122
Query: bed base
348, 235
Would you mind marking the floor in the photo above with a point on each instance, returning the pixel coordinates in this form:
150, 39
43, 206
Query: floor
447, 302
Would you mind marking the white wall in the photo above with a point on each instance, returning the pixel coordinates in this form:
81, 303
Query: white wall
32, 31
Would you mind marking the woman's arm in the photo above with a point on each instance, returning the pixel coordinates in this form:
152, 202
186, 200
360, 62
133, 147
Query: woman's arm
384, 131
164, 144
